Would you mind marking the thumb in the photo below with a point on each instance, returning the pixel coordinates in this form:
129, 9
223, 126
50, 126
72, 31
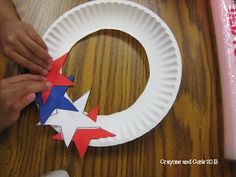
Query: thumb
21, 103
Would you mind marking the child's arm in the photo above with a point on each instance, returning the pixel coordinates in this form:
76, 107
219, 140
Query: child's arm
20, 42
15, 94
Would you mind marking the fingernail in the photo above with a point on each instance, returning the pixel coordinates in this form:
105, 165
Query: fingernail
48, 84
50, 60
49, 67
45, 72
44, 78
30, 96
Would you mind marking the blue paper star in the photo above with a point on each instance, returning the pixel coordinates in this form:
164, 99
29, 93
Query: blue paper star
56, 100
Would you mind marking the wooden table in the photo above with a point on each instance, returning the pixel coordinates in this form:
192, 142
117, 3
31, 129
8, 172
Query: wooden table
191, 130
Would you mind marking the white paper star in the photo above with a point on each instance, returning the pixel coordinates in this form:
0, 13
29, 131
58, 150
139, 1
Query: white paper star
81, 102
69, 121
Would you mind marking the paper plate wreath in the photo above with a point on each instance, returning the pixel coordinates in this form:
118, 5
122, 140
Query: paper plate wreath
67, 117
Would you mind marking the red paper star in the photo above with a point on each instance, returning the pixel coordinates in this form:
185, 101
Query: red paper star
55, 78
93, 114
82, 137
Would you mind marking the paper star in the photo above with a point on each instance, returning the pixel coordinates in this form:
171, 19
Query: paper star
93, 114
69, 121
55, 77
56, 100
82, 138
81, 102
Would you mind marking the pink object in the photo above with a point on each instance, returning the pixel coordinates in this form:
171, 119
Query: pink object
224, 14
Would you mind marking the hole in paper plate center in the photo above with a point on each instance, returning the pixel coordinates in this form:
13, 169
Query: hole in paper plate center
113, 65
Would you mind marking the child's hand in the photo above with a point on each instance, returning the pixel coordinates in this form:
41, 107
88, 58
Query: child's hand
15, 94
22, 44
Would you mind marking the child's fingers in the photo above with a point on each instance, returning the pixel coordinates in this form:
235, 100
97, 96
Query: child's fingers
35, 48
22, 77
17, 91
36, 37
22, 50
26, 63
21, 103
16, 107
27, 87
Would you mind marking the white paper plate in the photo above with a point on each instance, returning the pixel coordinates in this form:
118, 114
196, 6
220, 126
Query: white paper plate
161, 49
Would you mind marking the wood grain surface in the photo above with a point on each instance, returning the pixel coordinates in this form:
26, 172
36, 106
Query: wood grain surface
115, 66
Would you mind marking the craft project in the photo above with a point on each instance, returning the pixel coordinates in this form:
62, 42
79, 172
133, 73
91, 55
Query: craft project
55, 77
69, 121
83, 130
82, 138
74, 124
56, 100
151, 106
